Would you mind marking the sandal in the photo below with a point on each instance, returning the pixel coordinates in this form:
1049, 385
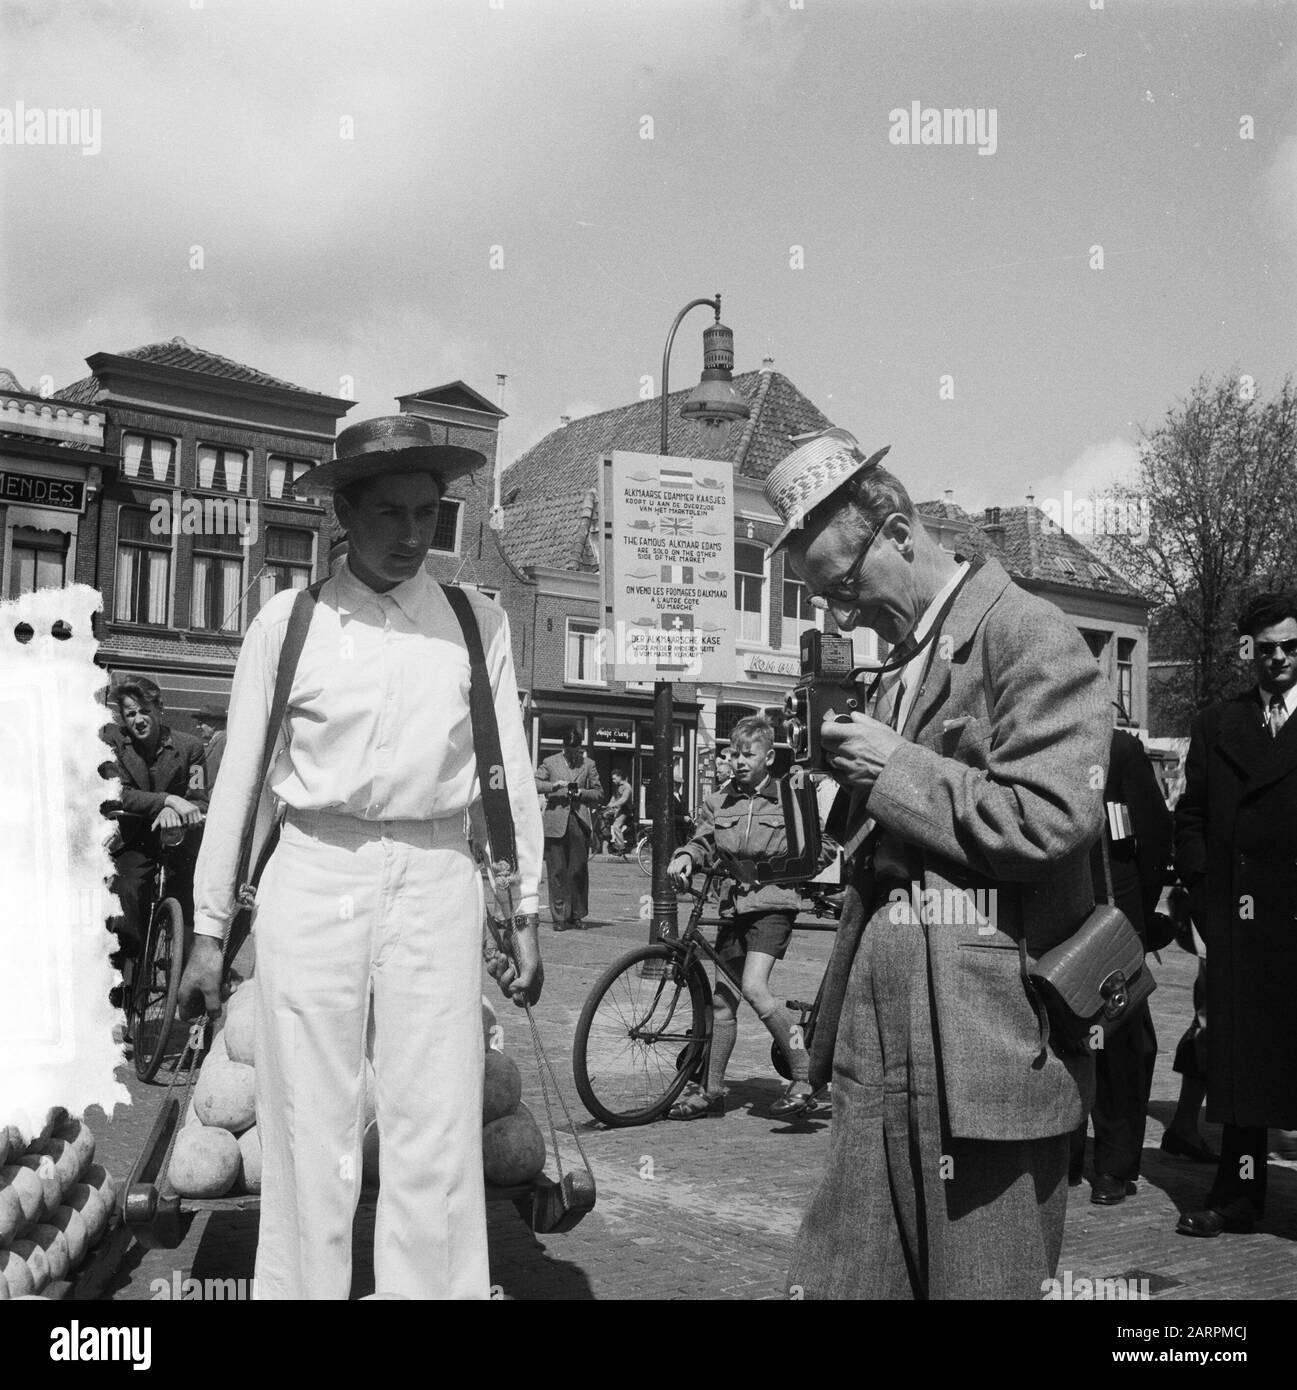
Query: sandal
797, 1099
696, 1104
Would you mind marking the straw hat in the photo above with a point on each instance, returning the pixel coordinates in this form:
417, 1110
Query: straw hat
813, 472
390, 444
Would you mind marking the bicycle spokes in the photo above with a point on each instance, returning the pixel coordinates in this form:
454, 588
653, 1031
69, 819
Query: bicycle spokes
639, 1036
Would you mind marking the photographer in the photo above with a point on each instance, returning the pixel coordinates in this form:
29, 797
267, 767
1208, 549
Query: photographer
978, 773
570, 783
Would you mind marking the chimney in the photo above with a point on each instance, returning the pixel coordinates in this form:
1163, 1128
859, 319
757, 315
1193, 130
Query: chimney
767, 364
1031, 494
950, 497
564, 421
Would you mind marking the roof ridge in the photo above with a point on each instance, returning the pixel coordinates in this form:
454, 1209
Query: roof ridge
754, 415
139, 354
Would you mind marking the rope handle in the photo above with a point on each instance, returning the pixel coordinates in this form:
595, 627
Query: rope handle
188, 1063
501, 884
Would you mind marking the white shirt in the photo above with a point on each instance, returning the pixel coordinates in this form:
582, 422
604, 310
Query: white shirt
1289, 702
911, 674
377, 727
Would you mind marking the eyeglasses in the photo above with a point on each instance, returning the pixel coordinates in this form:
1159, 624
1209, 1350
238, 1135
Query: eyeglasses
842, 593
1265, 650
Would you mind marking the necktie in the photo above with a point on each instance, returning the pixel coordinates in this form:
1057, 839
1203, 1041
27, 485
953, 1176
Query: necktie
1277, 713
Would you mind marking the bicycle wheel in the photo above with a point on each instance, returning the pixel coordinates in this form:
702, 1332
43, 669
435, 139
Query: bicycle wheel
640, 1036
157, 987
644, 853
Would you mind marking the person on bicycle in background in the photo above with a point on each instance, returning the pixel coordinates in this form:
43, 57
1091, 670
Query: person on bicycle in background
744, 817
163, 773
617, 813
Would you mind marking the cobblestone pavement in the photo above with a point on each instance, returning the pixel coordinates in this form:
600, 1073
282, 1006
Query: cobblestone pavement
709, 1209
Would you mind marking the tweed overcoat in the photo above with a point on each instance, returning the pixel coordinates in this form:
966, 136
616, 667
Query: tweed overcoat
997, 795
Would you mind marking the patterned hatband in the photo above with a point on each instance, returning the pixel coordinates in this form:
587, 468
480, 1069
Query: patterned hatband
812, 473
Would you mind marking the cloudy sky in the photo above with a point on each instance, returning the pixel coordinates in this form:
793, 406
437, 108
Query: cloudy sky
351, 171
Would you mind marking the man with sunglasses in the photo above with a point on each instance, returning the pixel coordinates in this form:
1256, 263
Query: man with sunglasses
976, 779
1236, 852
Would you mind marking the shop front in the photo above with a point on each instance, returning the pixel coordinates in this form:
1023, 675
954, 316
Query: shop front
617, 732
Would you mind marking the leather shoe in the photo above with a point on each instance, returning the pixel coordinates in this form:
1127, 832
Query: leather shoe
1210, 1222
1177, 1147
1107, 1191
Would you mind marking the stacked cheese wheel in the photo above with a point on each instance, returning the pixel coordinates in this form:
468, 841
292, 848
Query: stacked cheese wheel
56, 1204
218, 1152
513, 1149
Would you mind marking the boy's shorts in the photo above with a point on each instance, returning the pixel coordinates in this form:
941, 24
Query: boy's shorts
768, 932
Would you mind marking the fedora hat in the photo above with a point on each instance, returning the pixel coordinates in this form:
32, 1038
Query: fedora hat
813, 472
212, 715
390, 444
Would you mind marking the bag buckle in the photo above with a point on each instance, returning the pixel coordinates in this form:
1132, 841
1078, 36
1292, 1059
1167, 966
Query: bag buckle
1115, 996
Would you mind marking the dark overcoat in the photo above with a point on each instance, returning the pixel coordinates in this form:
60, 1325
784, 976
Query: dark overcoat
1236, 852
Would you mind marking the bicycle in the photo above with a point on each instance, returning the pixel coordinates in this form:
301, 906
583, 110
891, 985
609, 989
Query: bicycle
645, 1028
151, 984
685, 825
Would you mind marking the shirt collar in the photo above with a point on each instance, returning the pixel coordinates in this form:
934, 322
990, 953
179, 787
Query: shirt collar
931, 611
354, 596
767, 789
1289, 700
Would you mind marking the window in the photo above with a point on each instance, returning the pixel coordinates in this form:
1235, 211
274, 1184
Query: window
221, 470
726, 718
216, 601
1098, 570
446, 537
288, 561
282, 473
1097, 643
749, 590
143, 590
1064, 564
38, 560
1126, 678
584, 653
798, 613
149, 458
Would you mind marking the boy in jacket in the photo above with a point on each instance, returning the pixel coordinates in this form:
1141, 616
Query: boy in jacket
744, 818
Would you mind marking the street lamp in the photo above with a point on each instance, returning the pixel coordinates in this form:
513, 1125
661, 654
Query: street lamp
713, 403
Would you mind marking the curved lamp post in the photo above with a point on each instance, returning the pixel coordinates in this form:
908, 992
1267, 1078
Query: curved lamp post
713, 403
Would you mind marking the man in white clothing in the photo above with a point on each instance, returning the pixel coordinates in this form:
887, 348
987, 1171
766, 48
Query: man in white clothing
370, 889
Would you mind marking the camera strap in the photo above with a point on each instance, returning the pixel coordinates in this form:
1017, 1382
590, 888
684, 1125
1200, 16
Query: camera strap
899, 663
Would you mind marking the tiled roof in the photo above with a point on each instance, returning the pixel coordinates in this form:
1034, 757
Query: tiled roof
9, 382
548, 483
178, 353
1032, 547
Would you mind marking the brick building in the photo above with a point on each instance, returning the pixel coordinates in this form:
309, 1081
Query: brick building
52, 465
196, 523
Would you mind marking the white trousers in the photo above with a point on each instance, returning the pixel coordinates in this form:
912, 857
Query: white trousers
345, 904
